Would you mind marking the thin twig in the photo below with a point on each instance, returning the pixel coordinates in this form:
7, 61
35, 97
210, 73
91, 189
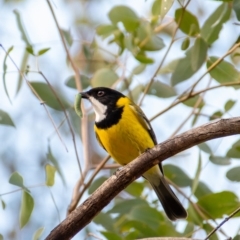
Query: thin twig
221, 224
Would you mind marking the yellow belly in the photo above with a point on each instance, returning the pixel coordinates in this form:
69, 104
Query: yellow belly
126, 140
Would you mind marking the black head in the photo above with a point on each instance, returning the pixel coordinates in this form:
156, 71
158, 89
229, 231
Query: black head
106, 96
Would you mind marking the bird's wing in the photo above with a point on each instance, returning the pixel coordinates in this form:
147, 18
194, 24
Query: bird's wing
98, 139
146, 124
144, 121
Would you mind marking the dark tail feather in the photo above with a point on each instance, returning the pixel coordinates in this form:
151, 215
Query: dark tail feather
170, 202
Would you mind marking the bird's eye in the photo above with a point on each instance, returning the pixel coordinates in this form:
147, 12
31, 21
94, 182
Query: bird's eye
100, 93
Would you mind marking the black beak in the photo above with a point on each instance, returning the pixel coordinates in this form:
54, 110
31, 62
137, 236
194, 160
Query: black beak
84, 95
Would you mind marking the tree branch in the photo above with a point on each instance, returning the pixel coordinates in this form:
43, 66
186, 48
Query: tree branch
84, 214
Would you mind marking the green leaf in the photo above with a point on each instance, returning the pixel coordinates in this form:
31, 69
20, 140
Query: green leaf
110, 235
17, 180
136, 92
44, 91
195, 57
177, 175
5, 119
219, 160
213, 25
237, 237
193, 216
219, 204
216, 115
125, 206
141, 57
189, 23
77, 104
148, 40
161, 90
5, 71
185, 43
105, 220
30, 50
228, 105
144, 229
27, 205
50, 175
104, 77
197, 174
205, 148
21, 28
135, 189
106, 30
38, 233
139, 69
234, 151
3, 204
70, 81
170, 67
160, 7
224, 71
42, 51
54, 161
202, 190
1, 237
67, 36
236, 8
146, 214
233, 174
189, 229
96, 184
191, 102
125, 15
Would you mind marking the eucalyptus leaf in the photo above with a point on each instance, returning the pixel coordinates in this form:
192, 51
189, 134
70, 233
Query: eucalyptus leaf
188, 22
234, 151
50, 175
218, 160
125, 15
213, 25
233, 174
104, 77
27, 206
46, 94
5, 119
17, 180
224, 72
161, 90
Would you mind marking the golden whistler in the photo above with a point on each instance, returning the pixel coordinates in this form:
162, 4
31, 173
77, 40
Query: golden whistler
123, 130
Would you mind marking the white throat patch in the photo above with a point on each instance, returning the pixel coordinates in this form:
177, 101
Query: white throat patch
99, 109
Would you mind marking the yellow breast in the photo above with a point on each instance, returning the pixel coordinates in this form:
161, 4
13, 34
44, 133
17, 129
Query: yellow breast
127, 139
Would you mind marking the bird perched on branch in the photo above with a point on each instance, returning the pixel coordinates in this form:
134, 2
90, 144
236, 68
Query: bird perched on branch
124, 131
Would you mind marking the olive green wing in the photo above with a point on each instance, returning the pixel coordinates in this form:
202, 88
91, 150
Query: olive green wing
144, 121
99, 141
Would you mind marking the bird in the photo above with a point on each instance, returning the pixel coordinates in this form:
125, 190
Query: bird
124, 131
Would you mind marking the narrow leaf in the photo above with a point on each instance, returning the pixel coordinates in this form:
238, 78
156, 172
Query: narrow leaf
5, 71
197, 174
77, 104
38, 233
234, 151
70, 81
42, 51
27, 205
205, 148
228, 105
236, 8
213, 25
5, 119
218, 160
54, 161
50, 175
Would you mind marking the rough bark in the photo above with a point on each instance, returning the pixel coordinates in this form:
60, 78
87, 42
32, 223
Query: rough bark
84, 214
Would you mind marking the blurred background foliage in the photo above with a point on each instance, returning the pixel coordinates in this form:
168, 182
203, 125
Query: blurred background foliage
179, 60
